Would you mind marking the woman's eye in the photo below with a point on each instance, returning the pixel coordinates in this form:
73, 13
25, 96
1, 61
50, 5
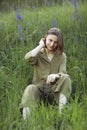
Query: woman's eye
55, 42
50, 40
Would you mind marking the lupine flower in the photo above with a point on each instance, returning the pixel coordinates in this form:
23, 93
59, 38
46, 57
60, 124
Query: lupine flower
74, 4
54, 23
20, 29
21, 38
18, 17
20, 32
75, 13
81, 19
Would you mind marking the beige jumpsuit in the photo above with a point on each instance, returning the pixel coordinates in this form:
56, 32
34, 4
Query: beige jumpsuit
42, 68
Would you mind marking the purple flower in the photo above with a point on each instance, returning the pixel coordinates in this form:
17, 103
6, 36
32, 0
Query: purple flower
54, 23
18, 17
74, 4
20, 29
20, 33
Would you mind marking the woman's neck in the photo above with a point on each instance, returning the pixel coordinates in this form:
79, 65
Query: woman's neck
50, 52
57, 51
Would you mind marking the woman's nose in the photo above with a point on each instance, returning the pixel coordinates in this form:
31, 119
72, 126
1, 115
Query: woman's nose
52, 43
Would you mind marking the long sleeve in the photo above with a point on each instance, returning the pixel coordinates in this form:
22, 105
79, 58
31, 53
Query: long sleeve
35, 51
62, 68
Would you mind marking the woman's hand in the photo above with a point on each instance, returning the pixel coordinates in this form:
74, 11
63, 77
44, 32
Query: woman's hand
42, 42
52, 78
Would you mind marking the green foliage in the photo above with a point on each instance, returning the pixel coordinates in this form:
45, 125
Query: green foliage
21, 31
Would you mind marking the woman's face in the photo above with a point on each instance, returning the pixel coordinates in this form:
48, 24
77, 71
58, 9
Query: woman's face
51, 42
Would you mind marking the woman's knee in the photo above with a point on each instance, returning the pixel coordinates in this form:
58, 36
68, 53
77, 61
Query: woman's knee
29, 95
29, 89
66, 87
67, 78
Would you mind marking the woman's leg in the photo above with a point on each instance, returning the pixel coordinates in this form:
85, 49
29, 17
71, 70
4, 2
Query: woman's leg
63, 90
29, 99
62, 101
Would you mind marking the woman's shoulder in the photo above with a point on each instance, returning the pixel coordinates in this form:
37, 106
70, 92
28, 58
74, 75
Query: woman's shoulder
63, 55
42, 50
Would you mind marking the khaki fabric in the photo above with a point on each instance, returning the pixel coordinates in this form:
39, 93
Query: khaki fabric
42, 68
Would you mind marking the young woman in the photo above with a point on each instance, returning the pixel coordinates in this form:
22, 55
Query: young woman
50, 74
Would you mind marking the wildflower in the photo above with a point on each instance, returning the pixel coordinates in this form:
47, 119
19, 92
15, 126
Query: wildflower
20, 29
74, 4
54, 23
75, 13
20, 33
18, 17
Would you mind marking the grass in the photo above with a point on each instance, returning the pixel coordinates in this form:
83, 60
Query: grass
21, 35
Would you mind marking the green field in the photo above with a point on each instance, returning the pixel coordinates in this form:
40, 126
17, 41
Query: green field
20, 31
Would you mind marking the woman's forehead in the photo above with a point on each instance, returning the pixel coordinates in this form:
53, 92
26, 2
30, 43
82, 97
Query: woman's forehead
53, 37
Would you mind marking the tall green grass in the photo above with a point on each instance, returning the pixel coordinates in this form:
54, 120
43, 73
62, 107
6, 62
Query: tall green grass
18, 36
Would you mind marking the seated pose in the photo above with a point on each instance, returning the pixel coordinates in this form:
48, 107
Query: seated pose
50, 78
